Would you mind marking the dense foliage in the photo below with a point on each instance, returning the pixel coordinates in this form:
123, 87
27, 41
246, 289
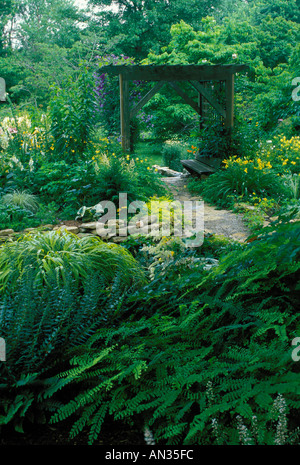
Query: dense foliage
193, 345
57, 295
156, 367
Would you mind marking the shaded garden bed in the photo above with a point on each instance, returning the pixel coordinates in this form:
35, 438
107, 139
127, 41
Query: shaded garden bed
113, 433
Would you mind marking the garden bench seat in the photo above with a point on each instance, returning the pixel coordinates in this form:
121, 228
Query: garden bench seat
202, 164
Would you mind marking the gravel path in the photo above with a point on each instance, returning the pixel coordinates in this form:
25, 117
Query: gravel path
220, 222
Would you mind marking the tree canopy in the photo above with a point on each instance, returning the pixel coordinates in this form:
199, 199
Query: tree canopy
43, 42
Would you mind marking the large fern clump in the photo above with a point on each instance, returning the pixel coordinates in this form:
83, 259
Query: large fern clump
56, 292
212, 368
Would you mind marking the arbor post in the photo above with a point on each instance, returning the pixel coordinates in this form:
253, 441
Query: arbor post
229, 101
124, 113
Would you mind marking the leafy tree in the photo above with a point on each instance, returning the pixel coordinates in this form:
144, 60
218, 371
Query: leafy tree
43, 33
137, 26
48, 21
6, 8
268, 47
277, 37
287, 9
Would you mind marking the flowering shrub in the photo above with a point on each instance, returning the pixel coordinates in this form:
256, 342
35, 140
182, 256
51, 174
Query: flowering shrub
255, 175
246, 165
239, 179
108, 97
267, 205
283, 154
11, 126
22, 140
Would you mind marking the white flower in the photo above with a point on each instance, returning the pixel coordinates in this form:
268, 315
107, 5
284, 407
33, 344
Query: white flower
14, 159
244, 435
281, 430
148, 436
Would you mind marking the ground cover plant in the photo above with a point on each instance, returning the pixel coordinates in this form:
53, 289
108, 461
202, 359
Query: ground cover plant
235, 371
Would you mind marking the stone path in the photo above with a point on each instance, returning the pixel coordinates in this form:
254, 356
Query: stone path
220, 222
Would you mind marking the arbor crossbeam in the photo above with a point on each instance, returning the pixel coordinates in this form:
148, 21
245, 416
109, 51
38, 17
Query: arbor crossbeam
196, 75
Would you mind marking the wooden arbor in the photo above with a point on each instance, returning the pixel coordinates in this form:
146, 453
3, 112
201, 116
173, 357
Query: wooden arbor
196, 75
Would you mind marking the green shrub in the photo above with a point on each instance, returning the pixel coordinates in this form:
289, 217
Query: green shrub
17, 218
290, 211
68, 185
292, 183
213, 139
18, 210
149, 181
14, 217
123, 174
172, 154
72, 114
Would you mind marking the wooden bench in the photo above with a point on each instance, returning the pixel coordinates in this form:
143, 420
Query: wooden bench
203, 163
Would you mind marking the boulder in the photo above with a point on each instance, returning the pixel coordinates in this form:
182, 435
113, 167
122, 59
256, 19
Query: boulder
6, 232
91, 225
118, 239
47, 227
166, 171
116, 222
72, 229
